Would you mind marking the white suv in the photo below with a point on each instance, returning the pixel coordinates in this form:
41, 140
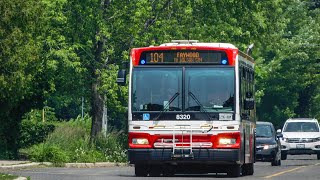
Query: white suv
300, 136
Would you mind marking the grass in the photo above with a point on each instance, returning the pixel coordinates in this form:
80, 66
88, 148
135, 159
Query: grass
7, 176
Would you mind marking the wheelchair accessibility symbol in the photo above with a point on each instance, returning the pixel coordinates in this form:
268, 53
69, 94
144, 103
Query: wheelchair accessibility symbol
146, 117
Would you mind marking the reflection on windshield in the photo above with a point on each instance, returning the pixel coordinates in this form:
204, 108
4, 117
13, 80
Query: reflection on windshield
154, 87
301, 127
214, 87
263, 131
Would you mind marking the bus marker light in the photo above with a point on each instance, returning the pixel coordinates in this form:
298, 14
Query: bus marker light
136, 127
142, 61
224, 62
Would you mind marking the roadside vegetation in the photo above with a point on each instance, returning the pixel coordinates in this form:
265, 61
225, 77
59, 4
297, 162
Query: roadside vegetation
70, 142
7, 176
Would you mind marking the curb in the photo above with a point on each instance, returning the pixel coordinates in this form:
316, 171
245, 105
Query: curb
19, 165
93, 165
21, 178
67, 165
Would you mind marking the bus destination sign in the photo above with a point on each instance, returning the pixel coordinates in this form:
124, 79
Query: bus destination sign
183, 56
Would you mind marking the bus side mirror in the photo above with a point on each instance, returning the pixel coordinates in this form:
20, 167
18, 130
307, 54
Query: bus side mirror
249, 101
121, 79
122, 74
248, 104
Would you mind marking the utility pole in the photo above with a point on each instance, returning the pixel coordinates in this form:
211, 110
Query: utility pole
105, 117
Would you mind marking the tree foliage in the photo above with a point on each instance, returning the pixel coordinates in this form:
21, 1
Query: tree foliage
56, 53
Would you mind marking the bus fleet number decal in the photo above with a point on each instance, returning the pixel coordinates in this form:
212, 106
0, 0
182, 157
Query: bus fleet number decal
183, 116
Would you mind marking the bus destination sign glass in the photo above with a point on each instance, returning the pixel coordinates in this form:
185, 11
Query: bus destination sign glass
183, 56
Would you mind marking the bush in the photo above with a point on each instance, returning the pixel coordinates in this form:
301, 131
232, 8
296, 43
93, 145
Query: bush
48, 153
70, 142
32, 128
33, 132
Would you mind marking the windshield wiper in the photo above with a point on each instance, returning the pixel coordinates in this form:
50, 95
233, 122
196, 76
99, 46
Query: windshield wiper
201, 106
166, 106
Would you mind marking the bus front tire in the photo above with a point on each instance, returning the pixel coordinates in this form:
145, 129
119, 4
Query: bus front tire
248, 169
140, 170
234, 171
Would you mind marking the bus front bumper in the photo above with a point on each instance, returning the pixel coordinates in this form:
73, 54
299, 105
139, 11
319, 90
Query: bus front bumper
203, 156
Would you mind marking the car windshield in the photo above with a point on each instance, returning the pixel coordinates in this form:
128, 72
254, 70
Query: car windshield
301, 127
263, 130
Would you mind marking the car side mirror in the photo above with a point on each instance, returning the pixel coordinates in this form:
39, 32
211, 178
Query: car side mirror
279, 131
279, 134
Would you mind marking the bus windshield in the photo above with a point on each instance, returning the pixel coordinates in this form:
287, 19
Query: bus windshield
212, 89
154, 87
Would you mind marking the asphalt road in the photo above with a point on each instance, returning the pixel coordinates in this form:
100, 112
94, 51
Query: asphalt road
300, 167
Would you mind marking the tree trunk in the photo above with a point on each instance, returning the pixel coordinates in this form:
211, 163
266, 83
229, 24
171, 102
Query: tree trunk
96, 111
97, 100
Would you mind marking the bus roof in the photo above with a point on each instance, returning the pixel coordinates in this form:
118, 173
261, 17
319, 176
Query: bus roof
196, 43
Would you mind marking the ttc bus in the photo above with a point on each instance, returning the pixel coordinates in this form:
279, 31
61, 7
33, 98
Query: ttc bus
191, 109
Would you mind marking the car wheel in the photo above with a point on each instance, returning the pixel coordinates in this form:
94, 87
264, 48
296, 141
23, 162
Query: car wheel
283, 156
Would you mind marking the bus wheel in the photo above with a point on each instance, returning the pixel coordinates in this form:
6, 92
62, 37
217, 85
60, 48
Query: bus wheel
247, 169
234, 171
168, 171
140, 170
155, 171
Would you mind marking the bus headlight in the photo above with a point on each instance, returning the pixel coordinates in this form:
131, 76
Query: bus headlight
140, 141
226, 141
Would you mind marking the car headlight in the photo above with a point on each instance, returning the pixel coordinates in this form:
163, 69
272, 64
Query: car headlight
317, 139
140, 141
269, 146
226, 141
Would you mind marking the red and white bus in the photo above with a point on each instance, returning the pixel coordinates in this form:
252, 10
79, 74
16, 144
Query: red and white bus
191, 109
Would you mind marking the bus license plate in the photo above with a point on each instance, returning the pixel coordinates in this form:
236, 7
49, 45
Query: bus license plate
300, 146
